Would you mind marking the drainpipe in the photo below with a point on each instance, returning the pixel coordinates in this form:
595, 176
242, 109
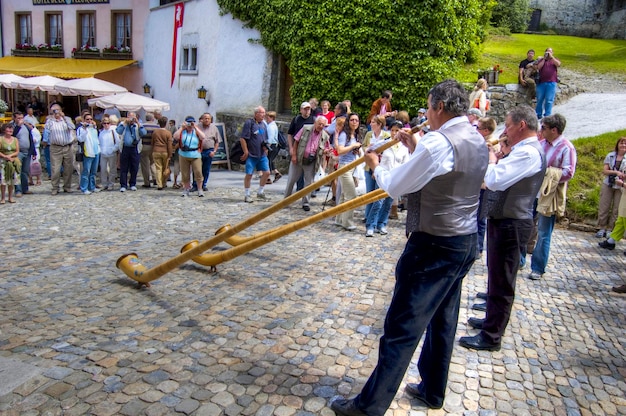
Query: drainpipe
1, 32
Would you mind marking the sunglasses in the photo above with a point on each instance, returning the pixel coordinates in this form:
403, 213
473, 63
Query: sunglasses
104, 122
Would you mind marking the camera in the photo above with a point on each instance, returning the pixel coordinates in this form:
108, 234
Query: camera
612, 180
310, 159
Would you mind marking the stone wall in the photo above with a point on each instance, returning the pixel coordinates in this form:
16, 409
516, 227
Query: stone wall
505, 97
234, 123
585, 18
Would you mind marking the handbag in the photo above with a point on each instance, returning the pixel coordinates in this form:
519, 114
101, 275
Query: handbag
35, 168
79, 153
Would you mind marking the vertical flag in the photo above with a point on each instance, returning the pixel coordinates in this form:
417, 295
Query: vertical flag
178, 23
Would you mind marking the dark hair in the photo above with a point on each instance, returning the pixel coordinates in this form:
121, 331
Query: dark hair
4, 126
162, 121
453, 96
348, 130
386, 94
617, 143
342, 107
488, 123
531, 50
17, 113
526, 114
554, 121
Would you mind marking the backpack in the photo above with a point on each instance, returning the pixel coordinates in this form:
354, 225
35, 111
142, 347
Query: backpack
236, 151
282, 140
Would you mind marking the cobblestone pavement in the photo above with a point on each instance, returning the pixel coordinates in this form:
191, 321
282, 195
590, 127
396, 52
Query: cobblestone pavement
278, 331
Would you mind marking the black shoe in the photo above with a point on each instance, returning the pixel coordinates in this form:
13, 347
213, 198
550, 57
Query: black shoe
204, 188
478, 343
413, 390
194, 189
476, 323
306, 208
480, 307
145, 186
346, 407
619, 289
481, 295
607, 245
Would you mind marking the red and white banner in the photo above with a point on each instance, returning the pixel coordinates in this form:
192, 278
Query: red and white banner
179, 10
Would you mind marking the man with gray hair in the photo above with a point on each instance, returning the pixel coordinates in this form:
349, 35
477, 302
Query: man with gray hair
58, 133
254, 145
309, 144
443, 179
512, 184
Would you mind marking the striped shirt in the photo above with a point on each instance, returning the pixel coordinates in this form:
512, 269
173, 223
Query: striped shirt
560, 154
59, 131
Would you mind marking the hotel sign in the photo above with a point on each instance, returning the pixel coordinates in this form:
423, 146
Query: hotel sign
62, 2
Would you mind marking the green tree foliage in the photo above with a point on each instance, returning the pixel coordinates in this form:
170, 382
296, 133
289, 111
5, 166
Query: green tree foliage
353, 50
512, 14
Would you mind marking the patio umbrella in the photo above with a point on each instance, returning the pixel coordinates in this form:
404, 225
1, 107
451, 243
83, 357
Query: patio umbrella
7, 79
88, 86
128, 101
42, 83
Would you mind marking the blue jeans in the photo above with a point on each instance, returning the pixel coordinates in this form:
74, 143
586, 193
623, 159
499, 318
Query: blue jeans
426, 297
23, 182
539, 259
46, 154
370, 185
88, 175
206, 166
546, 91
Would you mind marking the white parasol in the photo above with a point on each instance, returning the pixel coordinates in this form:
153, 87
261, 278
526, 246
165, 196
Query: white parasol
129, 101
88, 87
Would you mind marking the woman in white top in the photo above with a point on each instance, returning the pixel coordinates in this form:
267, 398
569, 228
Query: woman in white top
109, 146
478, 97
272, 140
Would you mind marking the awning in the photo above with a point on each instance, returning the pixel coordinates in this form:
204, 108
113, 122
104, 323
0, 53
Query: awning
59, 67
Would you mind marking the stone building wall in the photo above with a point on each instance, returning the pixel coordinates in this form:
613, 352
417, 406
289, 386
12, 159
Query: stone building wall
586, 18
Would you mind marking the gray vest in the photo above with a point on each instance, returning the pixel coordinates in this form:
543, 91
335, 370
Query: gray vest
447, 206
517, 201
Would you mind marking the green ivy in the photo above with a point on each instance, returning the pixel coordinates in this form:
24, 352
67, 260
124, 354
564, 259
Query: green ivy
339, 50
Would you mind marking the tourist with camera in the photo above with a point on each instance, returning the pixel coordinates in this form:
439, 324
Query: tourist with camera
546, 87
610, 193
190, 139
130, 132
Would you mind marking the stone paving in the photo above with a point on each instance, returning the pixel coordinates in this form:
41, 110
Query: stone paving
278, 331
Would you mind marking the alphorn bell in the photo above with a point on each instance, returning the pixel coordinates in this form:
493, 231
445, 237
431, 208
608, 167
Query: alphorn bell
130, 265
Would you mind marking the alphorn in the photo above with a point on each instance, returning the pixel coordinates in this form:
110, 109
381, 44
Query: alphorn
130, 265
247, 244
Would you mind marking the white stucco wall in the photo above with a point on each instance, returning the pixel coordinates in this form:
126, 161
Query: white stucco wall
230, 67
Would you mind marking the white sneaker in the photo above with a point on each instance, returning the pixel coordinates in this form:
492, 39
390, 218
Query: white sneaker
383, 230
200, 193
95, 191
133, 188
263, 196
185, 193
248, 198
369, 232
122, 189
601, 234
86, 192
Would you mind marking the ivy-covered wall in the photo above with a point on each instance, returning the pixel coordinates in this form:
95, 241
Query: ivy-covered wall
339, 50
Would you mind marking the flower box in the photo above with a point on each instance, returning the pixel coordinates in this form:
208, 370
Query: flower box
38, 53
492, 77
86, 54
117, 55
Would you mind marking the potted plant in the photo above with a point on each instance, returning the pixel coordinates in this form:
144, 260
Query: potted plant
114, 52
86, 51
3, 107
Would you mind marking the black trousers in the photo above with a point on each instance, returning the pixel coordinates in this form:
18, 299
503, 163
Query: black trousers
505, 238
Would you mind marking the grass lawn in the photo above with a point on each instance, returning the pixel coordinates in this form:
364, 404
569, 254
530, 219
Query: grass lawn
583, 55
